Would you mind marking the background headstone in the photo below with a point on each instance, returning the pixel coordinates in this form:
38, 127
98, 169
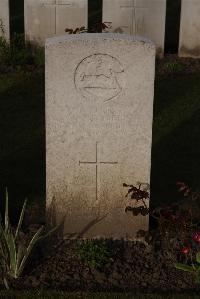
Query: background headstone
189, 41
137, 17
47, 18
99, 106
4, 19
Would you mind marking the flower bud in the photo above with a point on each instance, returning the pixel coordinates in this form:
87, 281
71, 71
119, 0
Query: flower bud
196, 237
185, 250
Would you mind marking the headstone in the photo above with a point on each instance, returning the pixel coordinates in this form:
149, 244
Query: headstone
4, 19
47, 18
99, 106
137, 17
189, 41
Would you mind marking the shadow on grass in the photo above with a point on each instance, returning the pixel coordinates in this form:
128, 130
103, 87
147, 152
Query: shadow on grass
176, 158
176, 142
22, 132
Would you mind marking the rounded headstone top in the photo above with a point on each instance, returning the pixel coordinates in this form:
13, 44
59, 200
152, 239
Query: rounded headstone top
99, 36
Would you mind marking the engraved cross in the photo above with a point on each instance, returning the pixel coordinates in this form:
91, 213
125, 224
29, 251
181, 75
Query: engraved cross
97, 163
56, 4
133, 7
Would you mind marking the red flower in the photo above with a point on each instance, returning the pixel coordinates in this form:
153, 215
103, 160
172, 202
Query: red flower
196, 237
185, 250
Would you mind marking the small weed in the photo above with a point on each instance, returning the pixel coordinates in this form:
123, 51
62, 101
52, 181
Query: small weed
174, 67
94, 253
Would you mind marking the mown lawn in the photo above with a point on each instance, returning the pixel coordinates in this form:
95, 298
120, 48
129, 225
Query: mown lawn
22, 132
176, 131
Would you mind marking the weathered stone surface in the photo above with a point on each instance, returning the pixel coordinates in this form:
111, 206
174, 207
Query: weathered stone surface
189, 41
47, 18
4, 19
99, 106
137, 17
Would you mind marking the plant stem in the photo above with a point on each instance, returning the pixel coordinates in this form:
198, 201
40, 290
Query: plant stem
6, 283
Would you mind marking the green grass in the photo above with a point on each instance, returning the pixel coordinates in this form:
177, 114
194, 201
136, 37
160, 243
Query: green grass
176, 101
52, 295
22, 131
176, 131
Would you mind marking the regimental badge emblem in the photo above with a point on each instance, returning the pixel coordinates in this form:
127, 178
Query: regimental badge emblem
99, 77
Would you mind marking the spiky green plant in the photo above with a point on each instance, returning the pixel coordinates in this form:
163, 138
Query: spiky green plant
194, 268
13, 254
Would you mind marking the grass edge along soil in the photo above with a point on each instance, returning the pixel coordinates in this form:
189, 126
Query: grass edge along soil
66, 295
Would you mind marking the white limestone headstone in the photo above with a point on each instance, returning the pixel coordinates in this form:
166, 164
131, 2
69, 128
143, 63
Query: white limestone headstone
138, 17
4, 19
47, 18
189, 40
99, 109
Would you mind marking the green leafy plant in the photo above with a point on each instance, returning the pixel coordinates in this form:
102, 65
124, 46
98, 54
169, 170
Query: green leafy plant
13, 252
172, 223
175, 222
94, 253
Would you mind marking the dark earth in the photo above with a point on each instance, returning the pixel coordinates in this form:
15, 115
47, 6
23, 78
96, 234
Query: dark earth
130, 266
